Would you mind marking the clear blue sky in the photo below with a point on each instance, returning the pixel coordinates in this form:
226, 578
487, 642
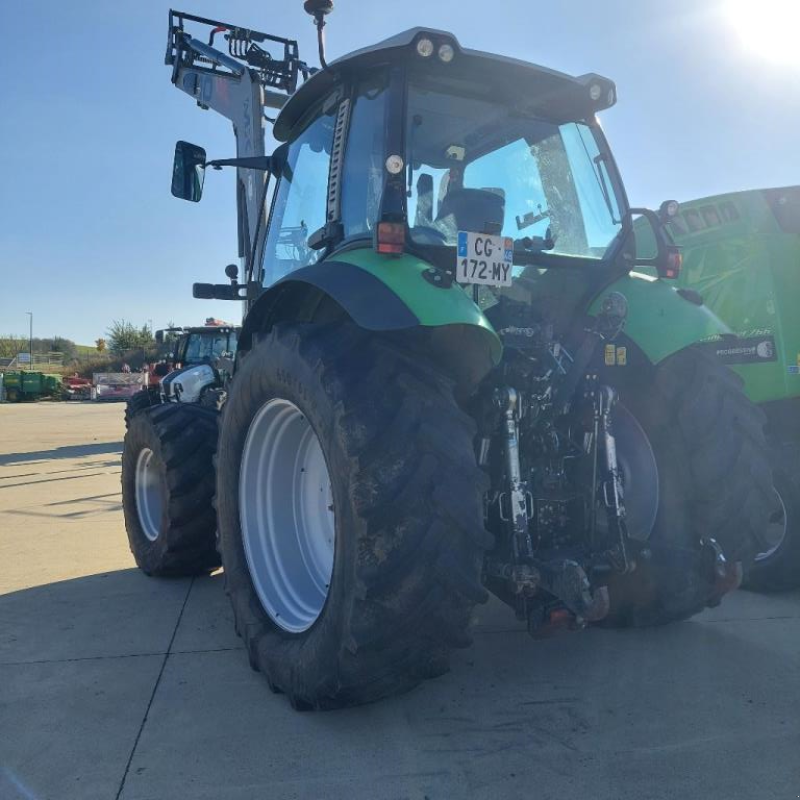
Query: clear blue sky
89, 232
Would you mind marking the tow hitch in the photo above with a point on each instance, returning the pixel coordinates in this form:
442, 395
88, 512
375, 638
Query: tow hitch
576, 604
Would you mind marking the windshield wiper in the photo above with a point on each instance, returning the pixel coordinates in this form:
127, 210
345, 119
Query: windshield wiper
604, 188
599, 159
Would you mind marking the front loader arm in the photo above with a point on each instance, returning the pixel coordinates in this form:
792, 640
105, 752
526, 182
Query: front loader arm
237, 86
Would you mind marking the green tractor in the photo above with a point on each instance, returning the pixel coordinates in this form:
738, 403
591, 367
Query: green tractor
449, 380
741, 254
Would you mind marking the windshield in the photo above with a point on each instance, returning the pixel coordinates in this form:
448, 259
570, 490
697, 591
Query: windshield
205, 347
478, 166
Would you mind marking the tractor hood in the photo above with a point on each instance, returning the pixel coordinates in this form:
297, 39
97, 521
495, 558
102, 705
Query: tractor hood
529, 87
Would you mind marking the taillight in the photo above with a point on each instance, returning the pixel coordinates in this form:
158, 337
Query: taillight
671, 266
390, 238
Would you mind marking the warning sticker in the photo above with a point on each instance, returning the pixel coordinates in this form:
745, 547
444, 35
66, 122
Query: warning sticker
610, 355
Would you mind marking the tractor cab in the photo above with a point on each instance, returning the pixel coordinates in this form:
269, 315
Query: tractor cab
198, 345
204, 345
476, 164
407, 144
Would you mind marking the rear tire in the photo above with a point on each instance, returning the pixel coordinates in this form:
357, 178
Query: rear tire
144, 398
778, 569
715, 482
168, 489
407, 506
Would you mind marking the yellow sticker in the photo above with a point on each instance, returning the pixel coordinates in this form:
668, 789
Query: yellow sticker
622, 356
610, 355
798, 359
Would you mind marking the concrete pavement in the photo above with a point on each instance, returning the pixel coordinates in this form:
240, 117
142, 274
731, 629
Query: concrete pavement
115, 685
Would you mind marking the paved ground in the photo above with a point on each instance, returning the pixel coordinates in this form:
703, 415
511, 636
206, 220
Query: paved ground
114, 685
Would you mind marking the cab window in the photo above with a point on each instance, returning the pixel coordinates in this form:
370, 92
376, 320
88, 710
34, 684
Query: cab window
364, 158
299, 205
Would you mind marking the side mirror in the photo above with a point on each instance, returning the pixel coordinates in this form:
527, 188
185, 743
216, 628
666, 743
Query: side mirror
188, 171
668, 210
159, 337
654, 245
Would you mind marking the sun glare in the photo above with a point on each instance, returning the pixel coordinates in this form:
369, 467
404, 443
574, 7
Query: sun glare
769, 28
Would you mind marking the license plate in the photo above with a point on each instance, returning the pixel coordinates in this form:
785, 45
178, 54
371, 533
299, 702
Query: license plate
484, 259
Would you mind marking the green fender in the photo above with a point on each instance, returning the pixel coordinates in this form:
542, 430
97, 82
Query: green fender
660, 321
385, 293
434, 307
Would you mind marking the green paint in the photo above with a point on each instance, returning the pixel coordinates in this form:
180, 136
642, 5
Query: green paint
746, 265
30, 385
433, 307
660, 321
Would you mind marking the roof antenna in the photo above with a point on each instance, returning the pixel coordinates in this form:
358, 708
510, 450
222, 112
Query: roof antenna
319, 9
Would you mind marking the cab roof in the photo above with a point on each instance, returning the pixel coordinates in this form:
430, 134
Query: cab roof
554, 94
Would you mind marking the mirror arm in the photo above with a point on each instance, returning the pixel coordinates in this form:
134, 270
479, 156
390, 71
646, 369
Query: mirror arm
264, 163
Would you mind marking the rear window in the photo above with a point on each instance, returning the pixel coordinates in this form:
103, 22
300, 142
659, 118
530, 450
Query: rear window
694, 221
710, 216
729, 212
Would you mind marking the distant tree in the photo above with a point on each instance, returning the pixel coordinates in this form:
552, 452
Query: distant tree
11, 345
123, 336
65, 346
146, 338
100, 344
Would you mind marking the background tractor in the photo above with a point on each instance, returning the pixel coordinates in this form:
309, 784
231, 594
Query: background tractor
448, 381
194, 368
741, 254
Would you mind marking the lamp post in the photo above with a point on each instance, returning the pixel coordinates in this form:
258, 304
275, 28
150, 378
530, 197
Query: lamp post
30, 340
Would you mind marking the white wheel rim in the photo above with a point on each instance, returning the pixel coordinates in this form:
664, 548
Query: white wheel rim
775, 532
149, 493
287, 517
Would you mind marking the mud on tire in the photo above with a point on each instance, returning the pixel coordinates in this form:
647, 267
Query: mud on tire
407, 493
715, 480
181, 441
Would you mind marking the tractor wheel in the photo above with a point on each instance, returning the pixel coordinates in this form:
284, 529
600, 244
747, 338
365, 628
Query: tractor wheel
350, 515
694, 462
168, 489
777, 565
144, 398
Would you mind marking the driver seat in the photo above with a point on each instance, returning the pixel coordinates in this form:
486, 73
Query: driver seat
475, 210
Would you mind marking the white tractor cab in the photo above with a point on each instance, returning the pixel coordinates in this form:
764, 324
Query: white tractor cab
203, 358
194, 367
